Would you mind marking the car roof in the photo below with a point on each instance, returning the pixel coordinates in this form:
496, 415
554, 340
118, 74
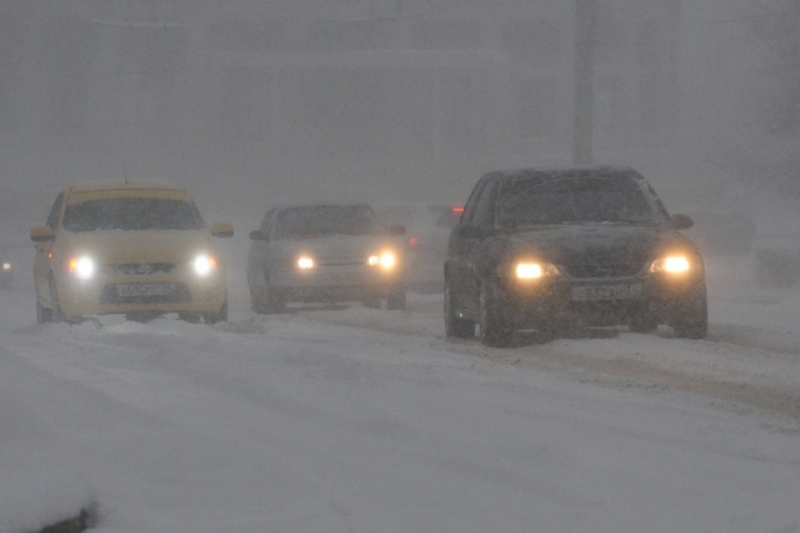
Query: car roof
91, 190
294, 205
559, 171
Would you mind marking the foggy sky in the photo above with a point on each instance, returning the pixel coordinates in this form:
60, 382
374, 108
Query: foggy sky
247, 103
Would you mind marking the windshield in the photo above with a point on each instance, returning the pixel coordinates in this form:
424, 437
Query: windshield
132, 214
319, 221
574, 199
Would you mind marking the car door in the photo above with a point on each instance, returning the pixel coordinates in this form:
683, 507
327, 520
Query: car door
258, 256
467, 245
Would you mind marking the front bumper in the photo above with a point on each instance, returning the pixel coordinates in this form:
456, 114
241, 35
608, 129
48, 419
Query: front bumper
166, 293
337, 283
569, 303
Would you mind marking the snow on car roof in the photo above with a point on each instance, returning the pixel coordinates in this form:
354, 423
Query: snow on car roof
83, 191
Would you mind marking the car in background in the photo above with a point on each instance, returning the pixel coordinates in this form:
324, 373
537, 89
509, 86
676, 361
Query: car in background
722, 232
427, 232
555, 250
138, 249
327, 253
6, 269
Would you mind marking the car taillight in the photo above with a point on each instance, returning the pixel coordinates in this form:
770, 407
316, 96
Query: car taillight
413, 241
458, 209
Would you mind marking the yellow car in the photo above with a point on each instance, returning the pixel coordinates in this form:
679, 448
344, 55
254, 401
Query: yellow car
139, 249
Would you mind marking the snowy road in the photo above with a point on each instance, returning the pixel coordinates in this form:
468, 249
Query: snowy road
356, 420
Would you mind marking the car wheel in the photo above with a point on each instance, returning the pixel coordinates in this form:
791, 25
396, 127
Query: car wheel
55, 313
454, 326
43, 314
222, 316
191, 318
396, 301
643, 322
691, 316
493, 330
267, 302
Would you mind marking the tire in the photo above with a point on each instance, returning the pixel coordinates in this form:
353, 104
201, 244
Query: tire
221, 316
644, 325
455, 327
643, 322
55, 313
43, 314
267, 302
493, 330
396, 301
191, 318
691, 316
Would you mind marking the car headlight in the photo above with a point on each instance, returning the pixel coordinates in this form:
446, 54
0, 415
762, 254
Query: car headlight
204, 265
82, 267
386, 260
6, 266
306, 262
672, 264
533, 270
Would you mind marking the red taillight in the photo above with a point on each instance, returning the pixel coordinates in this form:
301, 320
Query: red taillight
458, 209
413, 241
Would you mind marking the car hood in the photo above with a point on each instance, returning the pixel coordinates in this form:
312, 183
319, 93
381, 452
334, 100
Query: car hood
157, 246
571, 244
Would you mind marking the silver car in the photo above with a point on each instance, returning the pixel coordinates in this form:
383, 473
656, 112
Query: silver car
328, 253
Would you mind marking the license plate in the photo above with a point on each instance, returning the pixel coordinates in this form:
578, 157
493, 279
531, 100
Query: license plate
146, 289
606, 292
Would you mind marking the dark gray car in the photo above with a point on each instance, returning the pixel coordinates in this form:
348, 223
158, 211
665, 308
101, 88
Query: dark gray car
552, 250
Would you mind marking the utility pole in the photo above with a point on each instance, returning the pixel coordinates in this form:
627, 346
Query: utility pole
585, 18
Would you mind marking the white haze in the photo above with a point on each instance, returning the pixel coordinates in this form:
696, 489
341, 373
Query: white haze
76, 106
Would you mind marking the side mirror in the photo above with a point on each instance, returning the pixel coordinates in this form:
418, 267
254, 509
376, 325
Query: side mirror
256, 235
682, 221
42, 234
397, 230
222, 229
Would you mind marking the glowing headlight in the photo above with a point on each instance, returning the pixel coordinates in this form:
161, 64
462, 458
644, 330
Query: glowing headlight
82, 267
305, 262
385, 260
6, 266
533, 270
203, 265
672, 264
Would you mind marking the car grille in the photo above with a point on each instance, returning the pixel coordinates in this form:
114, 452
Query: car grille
181, 294
143, 269
603, 270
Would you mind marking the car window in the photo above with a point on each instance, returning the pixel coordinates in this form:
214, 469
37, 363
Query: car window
574, 199
470, 207
132, 214
310, 222
267, 222
485, 206
52, 217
